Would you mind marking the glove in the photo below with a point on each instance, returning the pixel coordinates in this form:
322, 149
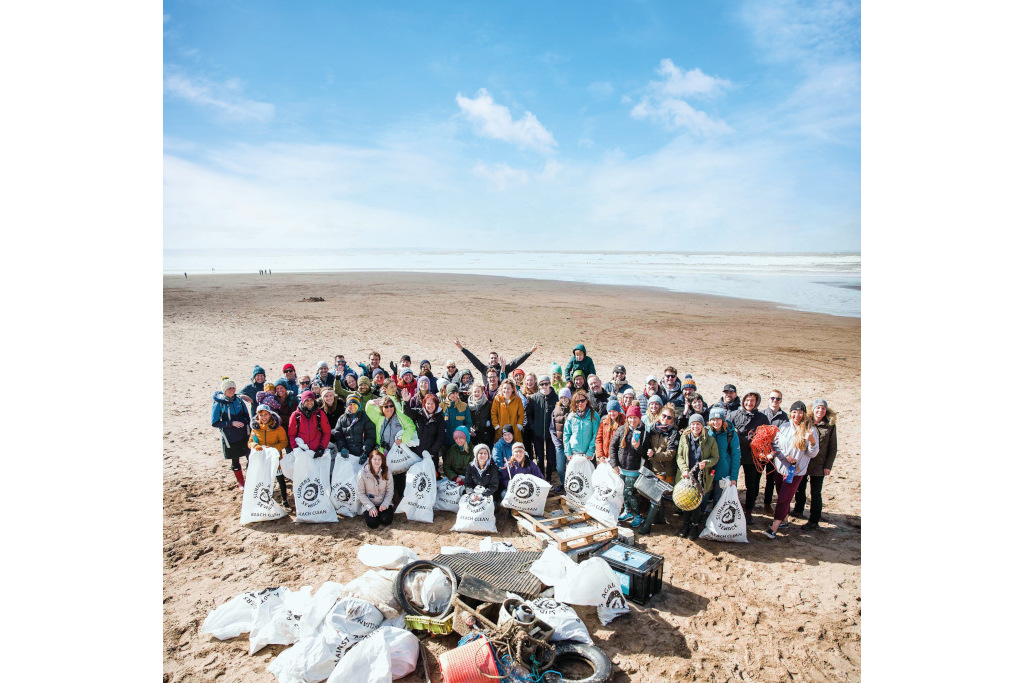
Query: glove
394, 368
318, 453
458, 481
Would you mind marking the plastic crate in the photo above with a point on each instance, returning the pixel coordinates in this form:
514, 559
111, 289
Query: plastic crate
441, 626
639, 572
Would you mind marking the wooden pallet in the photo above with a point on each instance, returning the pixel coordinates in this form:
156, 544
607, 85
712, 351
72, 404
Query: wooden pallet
542, 526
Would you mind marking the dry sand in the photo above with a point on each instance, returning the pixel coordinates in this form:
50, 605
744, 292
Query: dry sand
787, 609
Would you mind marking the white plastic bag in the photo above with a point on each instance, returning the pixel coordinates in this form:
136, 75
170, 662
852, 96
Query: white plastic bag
454, 549
258, 504
592, 582
526, 492
436, 591
386, 556
343, 486
476, 513
605, 503
277, 622
552, 566
288, 463
235, 616
319, 607
490, 545
376, 586
401, 458
448, 495
420, 492
563, 619
310, 488
578, 480
726, 521
389, 653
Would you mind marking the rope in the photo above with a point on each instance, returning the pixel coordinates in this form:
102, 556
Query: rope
762, 447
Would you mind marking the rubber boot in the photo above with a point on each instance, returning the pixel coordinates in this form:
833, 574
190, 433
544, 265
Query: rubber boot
645, 528
240, 476
661, 514
284, 491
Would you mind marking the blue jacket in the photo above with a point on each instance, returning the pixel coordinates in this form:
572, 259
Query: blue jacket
453, 419
729, 453
225, 412
580, 435
501, 452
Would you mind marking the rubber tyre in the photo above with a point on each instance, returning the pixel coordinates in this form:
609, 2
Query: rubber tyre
420, 565
578, 652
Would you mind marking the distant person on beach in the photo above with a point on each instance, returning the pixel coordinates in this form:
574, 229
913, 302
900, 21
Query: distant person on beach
795, 445
375, 490
820, 465
186, 276
746, 420
231, 417
777, 417
492, 359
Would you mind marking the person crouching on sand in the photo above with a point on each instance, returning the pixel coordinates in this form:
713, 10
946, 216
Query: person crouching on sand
375, 489
267, 431
794, 446
231, 417
483, 473
458, 457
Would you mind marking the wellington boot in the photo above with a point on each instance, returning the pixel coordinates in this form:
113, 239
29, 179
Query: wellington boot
240, 476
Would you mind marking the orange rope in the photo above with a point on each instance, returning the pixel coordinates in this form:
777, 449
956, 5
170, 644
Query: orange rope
761, 447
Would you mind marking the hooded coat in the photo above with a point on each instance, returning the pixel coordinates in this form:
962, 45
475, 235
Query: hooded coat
456, 461
314, 430
354, 433
272, 435
580, 435
586, 365
828, 446
512, 469
729, 454
489, 478
430, 429
708, 454
605, 431
483, 430
379, 422
455, 417
509, 412
746, 423
621, 451
227, 410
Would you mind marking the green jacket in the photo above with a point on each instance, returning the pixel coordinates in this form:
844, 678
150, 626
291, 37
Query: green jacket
408, 426
456, 461
709, 454
343, 392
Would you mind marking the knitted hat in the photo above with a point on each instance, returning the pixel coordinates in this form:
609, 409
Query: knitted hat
519, 371
696, 417
378, 371
281, 382
406, 371
322, 364
577, 373
463, 431
566, 392
480, 447
287, 367
543, 378
655, 399
819, 402
717, 411
227, 384
424, 362
689, 383
305, 395
352, 398
263, 406
452, 388
555, 368
257, 370
798, 405
619, 368
518, 446
405, 357
629, 390
633, 411
363, 379
507, 429
614, 405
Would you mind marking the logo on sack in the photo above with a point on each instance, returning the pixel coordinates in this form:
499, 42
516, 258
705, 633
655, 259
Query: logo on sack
615, 600
310, 491
263, 496
257, 598
603, 492
342, 493
575, 483
524, 490
422, 483
729, 513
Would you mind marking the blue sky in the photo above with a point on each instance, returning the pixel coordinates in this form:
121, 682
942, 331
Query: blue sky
527, 125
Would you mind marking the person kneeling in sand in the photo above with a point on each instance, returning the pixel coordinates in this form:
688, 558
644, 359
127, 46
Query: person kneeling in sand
375, 488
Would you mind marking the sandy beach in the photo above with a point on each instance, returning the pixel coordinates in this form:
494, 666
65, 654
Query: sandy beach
787, 609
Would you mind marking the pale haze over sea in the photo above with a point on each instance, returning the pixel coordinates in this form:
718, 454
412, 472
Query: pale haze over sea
819, 282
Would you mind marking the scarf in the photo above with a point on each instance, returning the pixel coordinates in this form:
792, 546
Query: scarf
477, 467
695, 454
475, 404
662, 429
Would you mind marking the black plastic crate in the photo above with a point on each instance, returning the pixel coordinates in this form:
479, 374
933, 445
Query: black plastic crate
639, 572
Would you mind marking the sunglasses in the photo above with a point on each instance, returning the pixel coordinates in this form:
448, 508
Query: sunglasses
545, 384
289, 372
666, 416
386, 407
452, 367
670, 376
774, 398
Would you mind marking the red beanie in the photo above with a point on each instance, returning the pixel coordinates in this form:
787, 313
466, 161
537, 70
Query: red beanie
287, 367
633, 411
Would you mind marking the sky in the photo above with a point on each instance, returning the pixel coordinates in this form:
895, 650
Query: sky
720, 126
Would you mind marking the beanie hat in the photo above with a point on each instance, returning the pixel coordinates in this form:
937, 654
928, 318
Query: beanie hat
717, 411
555, 368
518, 446
424, 362
281, 382
633, 411
480, 447
543, 378
305, 395
405, 357
688, 382
566, 392
227, 384
405, 371
798, 405
577, 373
656, 399
257, 370
629, 390
352, 398
263, 406
287, 367
452, 388
614, 405
519, 371
378, 371
696, 417
507, 429
463, 430
363, 379
322, 364
819, 402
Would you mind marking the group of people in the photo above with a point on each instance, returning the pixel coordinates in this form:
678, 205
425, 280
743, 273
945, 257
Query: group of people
482, 429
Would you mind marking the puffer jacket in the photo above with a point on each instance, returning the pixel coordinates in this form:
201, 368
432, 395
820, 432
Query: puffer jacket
642, 398
586, 365
372, 491
599, 401
508, 412
605, 431
559, 415
430, 429
512, 469
666, 448
828, 446
406, 423
616, 390
483, 430
354, 433
673, 395
622, 454
501, 452
729, 454
490, 478
708, 454
225, 411
746, 423
580, 433
456, 461
273, 435
314, 430
538, 412
455, 417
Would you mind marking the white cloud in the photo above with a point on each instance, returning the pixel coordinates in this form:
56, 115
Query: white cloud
819, 30
663, 101
227, 99
501, 176
493, 120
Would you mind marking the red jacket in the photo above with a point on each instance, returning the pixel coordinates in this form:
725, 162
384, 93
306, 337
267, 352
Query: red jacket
307, 429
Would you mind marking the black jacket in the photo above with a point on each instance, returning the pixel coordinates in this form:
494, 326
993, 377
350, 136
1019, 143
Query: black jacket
780, 419
482, 427
490, 478
538, 412
623, 455
734, 404
509, 367
673, 395
355, 434
746, 424
430, 430
599, 401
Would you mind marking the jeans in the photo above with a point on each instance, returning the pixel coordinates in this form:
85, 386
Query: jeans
801, 498
560, 463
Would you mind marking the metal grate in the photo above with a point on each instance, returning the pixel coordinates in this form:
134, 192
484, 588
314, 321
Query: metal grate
507, 571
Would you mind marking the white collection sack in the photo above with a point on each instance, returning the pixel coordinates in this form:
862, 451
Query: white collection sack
476, 513
386, 556
376, 586
288, 463
258, 504
605, 503
343, 486
489, 545
527, 493
388, 654
401, 458
592, 582
310, 488
278, 624
562, 618
235, 616
578, 480
448, 495
726, 521
552, 567
420, 491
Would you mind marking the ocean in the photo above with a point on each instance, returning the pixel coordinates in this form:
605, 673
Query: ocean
819, 282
